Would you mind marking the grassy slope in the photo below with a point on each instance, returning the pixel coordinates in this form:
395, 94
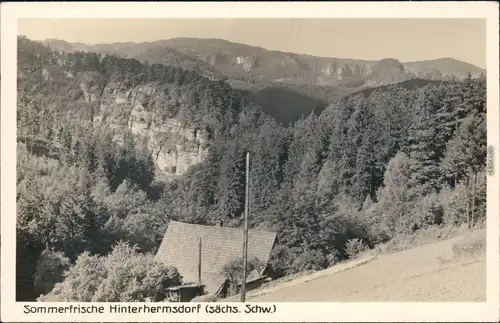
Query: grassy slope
448, 270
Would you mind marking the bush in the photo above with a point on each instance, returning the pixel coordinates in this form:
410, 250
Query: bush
354, 247
333, 258
454, 204
310, 260
278, 261
379, 233
469, 248
427, 211
50, 269
234, 269
420, 237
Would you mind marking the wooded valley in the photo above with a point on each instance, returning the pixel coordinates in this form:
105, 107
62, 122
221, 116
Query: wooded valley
357, 170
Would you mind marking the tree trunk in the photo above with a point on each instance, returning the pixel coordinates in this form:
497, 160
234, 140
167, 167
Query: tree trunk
467, 204
473, 198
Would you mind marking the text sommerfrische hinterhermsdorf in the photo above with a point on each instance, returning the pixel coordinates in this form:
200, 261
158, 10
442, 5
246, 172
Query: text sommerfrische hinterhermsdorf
150, 309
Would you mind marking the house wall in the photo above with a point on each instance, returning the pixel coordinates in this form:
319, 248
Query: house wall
229, 289
187, 294
253, 284
224, 290
236, 288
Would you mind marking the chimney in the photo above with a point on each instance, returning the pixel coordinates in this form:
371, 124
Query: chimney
219, 223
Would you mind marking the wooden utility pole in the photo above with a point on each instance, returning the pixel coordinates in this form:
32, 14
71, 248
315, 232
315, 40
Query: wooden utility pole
199, 261
245, 230
474, 180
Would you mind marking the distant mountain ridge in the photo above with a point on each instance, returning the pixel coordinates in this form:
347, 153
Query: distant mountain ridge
145, 52
222, 59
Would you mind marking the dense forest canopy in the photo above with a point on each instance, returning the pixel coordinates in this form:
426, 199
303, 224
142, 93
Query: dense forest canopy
370, 166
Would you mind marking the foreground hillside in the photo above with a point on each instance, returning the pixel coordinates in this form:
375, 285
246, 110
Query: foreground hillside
236, 61
436, 272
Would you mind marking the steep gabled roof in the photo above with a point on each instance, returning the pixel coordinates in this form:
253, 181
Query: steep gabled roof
220, 245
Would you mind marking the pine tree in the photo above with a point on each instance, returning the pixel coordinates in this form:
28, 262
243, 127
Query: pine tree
363, 180
394, 199
466, 151
423, 146
232, 182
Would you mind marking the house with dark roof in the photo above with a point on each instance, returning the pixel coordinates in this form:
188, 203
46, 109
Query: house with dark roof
184, 245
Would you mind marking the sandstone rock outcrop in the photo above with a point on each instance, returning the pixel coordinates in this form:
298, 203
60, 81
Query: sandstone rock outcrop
175, 146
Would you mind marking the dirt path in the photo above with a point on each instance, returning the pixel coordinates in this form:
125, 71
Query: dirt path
421, 274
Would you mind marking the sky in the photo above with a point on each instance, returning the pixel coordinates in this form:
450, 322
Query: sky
370, 39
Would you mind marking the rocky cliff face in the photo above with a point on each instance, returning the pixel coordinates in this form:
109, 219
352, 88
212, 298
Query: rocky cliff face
247, 62
177, 113
175, 147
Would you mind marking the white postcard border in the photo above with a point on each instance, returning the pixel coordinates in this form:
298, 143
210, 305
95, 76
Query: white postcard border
348, 312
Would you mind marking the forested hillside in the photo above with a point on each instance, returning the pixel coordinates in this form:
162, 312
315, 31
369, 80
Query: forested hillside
148, 52
241, 62
371, 166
